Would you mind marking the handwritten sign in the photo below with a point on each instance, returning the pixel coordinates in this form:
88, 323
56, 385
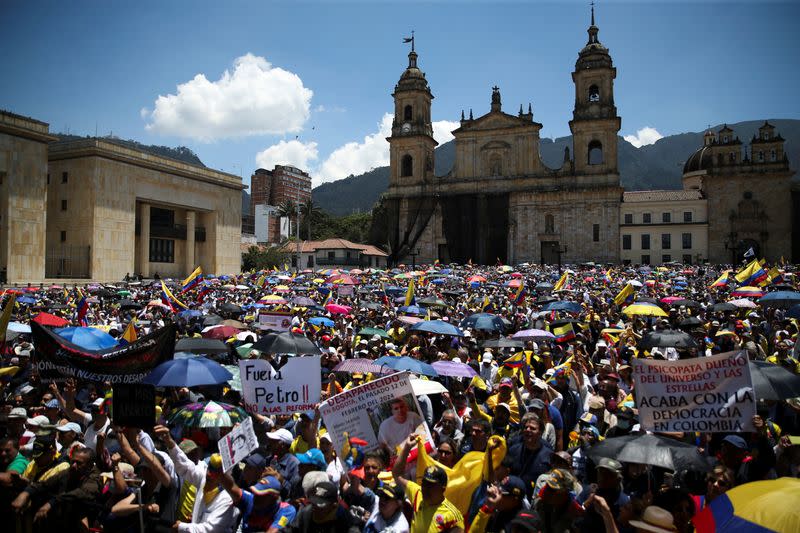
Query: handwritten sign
707, 394
134, 406
292, 388
237, 444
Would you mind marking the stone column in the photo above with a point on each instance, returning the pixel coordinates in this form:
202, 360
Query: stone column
144, 240
190, 218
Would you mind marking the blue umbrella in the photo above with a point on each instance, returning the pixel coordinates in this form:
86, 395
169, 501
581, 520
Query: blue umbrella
87, 338
782, 299
188, 373
190, 313
570, 307
407, 363
793, 312
412, 310
322, 321
483, 321
26, 300
439, 327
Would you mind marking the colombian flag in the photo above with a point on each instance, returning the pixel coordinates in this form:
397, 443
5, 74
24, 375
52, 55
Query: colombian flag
83, 308
752, 274
625, 295
5, 318
775, 276
129, 336
564, 333
410, 293
759, 506
194, 279
486, 304
168, 298
515, 361
519, 297
607, 277
561, 283
723, 280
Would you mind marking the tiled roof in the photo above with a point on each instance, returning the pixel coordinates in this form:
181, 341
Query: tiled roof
662, 196
309, 247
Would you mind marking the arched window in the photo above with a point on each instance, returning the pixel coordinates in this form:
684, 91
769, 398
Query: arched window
773, 156
760, 155
407, 113
732, 157
595, 153
407, 166
496, 166
594, 93
549, 224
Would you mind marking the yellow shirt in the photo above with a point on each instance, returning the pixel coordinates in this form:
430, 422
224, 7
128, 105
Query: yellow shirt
430, 518
32, 472
186, 502
299, 445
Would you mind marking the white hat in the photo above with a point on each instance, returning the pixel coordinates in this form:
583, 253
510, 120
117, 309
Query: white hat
655, 519
282, 435
69, 426
38, 421
487, 357
390, 346
456, 360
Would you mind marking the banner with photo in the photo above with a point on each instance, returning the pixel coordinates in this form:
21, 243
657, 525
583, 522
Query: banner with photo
383, 412
56, 359
706, 394
275, 321
293, 388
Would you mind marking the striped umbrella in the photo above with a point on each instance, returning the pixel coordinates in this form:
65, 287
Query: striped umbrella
748, 292
760, 506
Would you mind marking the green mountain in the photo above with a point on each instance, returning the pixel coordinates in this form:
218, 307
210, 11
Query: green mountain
181, 153
655, 166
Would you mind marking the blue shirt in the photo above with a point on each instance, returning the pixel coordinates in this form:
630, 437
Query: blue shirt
278, 515
289, 467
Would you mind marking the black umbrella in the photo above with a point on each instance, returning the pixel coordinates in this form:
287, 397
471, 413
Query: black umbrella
230, 308
691, 322
684, 303
648, 300
432, 301
724, 306
773, 382
212, 320
129, 304
543, 286
373, 306
201, 346
668, 338
484, 321
286, 343
503, 342
647, 449
545, 300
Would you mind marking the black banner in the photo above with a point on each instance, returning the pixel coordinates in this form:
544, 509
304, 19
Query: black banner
57, 359
134, 406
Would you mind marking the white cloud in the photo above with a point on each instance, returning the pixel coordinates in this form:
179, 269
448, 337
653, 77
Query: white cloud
256, 98
442, 130
293, 153
644, 136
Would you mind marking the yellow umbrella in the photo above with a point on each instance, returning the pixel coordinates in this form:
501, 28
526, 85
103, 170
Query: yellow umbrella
318, 280
644, 310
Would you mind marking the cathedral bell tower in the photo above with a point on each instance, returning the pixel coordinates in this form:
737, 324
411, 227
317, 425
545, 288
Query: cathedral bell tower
411, 146
595, 124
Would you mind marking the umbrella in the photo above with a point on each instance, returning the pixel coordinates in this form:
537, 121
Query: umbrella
722, 307
365, 366
439, 327
476, 279
208, 415
201, 346
337, 309
231, 309
19, 327
273, 299
644, 310
647, 449
668, 338
543, 286
369, 332
782, 299
504, 342
409, 319
234, 324
682, 302
286, 343
407, 363
533, 335
129, 304
483, 321
761, 506
220, 332
303, 301
773, 382
454, 369
432, 301
373, 306
26, 300
322, 321
646, 300
46, 319
744, 303
691, 322
748, 292
188, 314
87, 338
793, 312
189, 372
570, 307
426, 386
412, 310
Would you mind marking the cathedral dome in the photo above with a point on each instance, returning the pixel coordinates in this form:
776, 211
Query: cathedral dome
700, 160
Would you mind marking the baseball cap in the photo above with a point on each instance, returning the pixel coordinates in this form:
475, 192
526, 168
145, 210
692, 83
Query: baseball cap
390, 490
215, 463
53, 404
255, 460
69, 426
610, 464
487, 357
560, 479
503, 405
18, 413
506, 382
736, 440
187, 446
323, 494
435, 474
597, 402
314, 457
513, 486
282, 435
38, 421
266, 485
42, 445
536, 403
588, 418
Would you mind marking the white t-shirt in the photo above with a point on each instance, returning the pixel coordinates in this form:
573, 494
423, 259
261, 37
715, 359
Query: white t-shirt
90, 435
393, 433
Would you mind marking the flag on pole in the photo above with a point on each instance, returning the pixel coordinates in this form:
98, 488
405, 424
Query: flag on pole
515, 361
168, 298
486, 304
5, 318
194, 279
410, 293
607, 277
564, 333
129, 336
519, 297
625, 295
723, 280
749, 253
562, 282
83, 308
752, 274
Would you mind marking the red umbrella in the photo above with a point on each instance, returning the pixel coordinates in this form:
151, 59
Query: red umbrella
46, 319
516, 274
337, 309
515, 283
221, 332
473, 279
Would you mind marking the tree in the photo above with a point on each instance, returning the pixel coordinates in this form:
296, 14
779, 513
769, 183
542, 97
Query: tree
261, 258
310, 214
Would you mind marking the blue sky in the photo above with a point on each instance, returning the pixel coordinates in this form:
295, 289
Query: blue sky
248, 84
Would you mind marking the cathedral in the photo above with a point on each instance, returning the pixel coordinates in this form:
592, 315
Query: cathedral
501, 203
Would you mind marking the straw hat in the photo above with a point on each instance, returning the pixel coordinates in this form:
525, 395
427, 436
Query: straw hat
655, 519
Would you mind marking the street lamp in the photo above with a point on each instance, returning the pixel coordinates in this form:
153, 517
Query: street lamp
414, 255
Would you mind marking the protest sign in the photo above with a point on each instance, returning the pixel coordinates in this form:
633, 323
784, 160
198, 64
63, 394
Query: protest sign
294, 387
237, 444
134, 406
346, 290
707, 394
56, 358
275, 321
383, 412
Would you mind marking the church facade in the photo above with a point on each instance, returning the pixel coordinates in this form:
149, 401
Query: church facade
500, 202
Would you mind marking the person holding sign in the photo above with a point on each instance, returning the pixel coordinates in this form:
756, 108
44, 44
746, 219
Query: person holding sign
393, 431
260, 505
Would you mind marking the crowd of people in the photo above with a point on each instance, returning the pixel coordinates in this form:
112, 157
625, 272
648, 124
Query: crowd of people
540, 404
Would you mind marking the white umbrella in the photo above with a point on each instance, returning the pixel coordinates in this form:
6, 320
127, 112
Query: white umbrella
19, 327
426, 386
635, 283
743, 302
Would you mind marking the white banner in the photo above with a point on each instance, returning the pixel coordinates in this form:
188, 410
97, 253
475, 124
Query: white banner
383, 412
237, 444
295, 387
275, 321
706, 394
